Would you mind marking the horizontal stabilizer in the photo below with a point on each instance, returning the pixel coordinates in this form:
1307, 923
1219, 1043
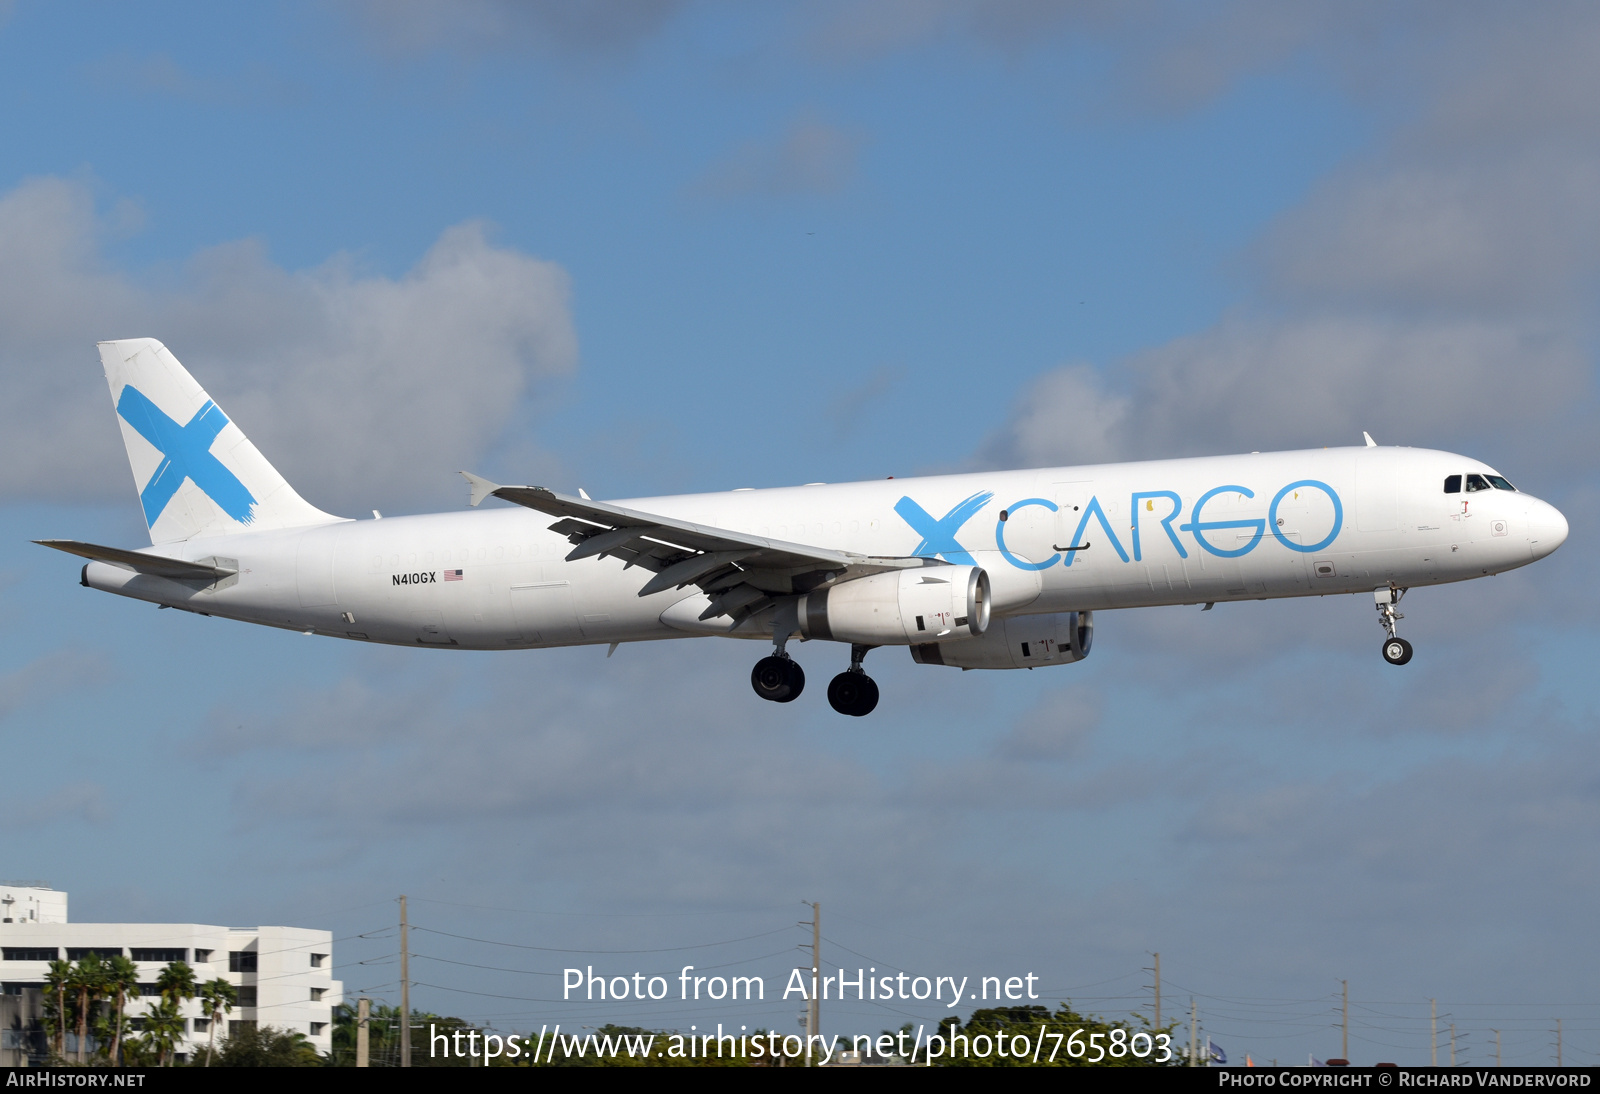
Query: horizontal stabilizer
159, 565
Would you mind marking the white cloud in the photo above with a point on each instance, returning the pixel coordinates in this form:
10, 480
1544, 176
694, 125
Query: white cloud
1303, 382
1163, 55
483, 26
811, 157
1515, 236
605, 780
49, 676
1501, 829
851, 405
84, 802
1057, 728
1067, 416
363, 389
1436, 291
657, 763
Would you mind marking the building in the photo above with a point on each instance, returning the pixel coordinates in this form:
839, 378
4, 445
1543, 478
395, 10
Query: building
22, 1036
31, 902
284, 975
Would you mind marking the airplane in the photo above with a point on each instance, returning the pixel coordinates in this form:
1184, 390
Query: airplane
990, 570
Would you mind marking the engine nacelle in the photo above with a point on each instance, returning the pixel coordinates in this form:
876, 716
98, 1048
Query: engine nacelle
1017, 642
931, 604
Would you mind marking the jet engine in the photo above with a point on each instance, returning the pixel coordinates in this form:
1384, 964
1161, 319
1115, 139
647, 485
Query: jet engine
930, 604
1018, 642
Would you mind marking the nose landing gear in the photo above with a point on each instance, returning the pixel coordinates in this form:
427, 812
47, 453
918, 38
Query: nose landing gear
1396, 650
853, 692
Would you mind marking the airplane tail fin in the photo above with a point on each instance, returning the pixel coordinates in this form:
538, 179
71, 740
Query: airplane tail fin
197, 474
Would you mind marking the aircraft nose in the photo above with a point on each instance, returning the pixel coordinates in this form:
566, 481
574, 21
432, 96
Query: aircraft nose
1547, 528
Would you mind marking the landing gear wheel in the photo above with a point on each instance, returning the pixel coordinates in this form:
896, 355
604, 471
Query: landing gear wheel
778, 679
1396, 651
853, 693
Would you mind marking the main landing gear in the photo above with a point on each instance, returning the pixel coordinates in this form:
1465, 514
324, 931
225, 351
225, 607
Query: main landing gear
779, 679
853, 692
1396, 650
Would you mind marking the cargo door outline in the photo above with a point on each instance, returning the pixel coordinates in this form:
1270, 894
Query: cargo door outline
313, 567
544, 611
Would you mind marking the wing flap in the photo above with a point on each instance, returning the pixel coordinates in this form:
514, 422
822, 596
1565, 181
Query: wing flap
669, 531
741, 571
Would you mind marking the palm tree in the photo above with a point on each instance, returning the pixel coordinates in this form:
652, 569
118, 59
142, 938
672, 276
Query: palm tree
176, 983
56, 981
163, 1029
217, 998
266, 1046
89, 981
122, 980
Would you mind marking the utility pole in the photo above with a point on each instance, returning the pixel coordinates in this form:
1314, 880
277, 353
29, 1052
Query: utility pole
405, 988
1344, 1045
1433, 1031
1558, 1042
363, 1020
816, 972
1194, 1021
1497, 1062
1452, 1044
1158, 990
814, 1007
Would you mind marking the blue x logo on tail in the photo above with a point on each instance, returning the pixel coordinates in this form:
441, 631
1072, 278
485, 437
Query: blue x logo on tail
186, 454
939, 536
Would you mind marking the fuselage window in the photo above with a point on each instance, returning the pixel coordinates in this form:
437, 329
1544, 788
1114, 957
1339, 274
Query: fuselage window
1476, 483
1500, 484
1452, 484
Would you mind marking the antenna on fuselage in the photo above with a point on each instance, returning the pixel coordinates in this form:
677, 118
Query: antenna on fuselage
1368, 438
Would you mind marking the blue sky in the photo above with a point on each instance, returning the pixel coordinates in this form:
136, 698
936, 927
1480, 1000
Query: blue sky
658, 247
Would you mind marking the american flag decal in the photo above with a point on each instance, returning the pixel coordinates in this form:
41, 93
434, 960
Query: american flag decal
452, 575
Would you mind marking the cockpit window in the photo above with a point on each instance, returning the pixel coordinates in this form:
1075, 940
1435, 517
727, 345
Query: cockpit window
1476, 483
1452, 484
1499, 483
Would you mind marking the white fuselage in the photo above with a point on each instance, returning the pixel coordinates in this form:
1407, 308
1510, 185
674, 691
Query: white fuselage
1257, 526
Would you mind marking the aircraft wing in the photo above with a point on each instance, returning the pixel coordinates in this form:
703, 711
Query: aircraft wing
738, 571
159, 565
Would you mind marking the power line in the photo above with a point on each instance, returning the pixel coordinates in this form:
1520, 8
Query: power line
558, 949
598, 915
